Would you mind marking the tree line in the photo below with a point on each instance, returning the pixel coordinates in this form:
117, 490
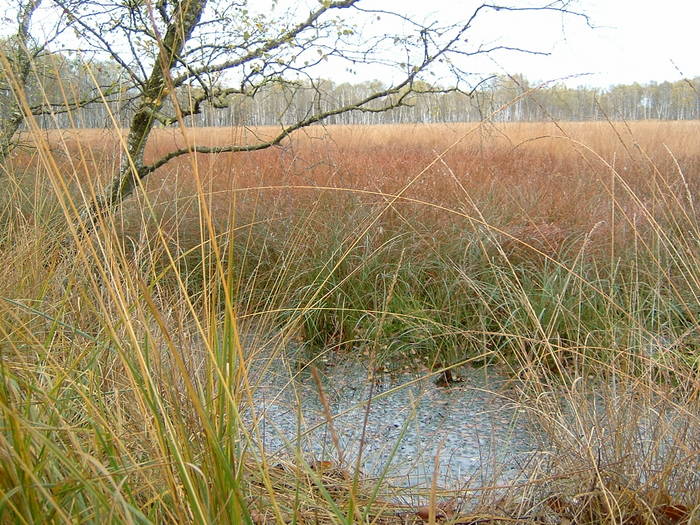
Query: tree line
502, 98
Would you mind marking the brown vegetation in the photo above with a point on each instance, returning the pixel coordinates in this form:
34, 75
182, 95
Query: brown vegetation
542, 181
567, 254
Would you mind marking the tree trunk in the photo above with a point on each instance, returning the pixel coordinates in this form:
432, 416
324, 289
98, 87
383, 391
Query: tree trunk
186, 16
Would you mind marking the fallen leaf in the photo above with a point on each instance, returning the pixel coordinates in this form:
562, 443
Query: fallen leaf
321, 466
443, 511
675, 513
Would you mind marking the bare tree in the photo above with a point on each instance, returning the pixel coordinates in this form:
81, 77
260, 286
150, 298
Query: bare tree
181, 55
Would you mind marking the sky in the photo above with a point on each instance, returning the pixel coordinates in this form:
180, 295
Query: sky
632, 40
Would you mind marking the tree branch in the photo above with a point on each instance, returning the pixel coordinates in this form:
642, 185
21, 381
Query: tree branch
268, 46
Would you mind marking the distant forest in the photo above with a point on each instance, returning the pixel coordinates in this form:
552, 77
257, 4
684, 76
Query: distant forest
505, 98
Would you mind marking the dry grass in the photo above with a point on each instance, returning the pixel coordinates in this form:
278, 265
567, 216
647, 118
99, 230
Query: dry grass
568, 254
521, 176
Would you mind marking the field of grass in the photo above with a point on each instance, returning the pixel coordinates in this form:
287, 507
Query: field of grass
565, 254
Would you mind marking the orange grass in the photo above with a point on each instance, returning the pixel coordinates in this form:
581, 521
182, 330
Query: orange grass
547, 182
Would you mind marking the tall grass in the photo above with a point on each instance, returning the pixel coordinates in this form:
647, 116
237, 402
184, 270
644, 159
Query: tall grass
565, 255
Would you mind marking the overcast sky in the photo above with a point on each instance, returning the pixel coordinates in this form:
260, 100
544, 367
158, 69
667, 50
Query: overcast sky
634, 40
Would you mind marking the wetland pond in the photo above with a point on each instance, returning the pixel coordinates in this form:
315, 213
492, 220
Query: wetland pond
472, 430
470, 436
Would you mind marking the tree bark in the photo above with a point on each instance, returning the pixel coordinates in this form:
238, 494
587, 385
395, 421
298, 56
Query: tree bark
186, 16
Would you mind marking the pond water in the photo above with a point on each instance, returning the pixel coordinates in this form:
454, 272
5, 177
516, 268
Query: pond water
403, 421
